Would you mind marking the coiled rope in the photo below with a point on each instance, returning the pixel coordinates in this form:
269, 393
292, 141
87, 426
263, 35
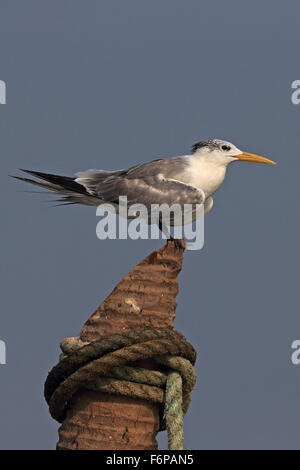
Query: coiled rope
103, 366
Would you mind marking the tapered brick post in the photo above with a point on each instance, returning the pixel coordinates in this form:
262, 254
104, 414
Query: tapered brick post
144, 298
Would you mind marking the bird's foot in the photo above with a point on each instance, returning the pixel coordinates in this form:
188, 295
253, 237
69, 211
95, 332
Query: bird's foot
177, 243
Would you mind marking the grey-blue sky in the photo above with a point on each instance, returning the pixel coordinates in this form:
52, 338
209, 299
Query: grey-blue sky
109, 84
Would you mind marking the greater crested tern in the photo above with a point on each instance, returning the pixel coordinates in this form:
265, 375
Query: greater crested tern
185, 179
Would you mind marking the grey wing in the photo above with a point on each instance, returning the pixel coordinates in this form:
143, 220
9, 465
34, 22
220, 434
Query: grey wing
149, 183
149, 190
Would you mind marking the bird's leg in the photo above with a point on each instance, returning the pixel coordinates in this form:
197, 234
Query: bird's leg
163, 228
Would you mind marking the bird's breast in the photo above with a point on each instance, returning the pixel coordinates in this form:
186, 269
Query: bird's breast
204, 175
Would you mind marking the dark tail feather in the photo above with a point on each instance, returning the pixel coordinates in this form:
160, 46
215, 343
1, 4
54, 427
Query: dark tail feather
66, 187
36, 183
64, 182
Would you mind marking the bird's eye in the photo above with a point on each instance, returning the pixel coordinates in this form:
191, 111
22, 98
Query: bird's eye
225, 147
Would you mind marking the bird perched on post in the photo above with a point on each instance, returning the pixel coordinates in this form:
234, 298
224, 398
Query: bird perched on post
185, 179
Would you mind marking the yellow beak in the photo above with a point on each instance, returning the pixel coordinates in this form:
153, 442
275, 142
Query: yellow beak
250, 157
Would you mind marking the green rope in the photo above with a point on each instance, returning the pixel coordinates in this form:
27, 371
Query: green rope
173, 411
102, 366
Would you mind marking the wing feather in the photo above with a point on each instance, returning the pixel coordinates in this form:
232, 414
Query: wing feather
149, 183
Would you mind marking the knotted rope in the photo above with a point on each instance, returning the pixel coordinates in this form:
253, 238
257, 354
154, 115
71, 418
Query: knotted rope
103, 366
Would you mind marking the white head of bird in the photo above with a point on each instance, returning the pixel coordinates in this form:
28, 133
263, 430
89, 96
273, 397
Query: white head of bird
209, 161
221, 152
